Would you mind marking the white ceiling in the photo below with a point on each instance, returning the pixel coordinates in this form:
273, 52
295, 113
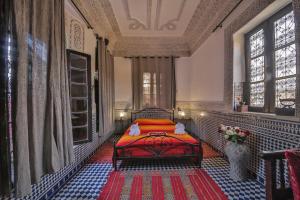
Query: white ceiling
153, 17
155, 27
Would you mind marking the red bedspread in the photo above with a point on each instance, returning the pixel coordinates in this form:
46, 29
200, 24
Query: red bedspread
168, 144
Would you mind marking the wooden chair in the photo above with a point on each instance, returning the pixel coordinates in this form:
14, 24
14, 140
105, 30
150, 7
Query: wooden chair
272, 191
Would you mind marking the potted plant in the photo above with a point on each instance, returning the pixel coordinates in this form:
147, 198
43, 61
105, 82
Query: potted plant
237, 151
241, 107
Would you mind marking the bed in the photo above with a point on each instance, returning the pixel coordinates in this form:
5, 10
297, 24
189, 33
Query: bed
157, 139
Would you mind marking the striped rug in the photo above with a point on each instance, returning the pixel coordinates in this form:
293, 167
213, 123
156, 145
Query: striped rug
160, 185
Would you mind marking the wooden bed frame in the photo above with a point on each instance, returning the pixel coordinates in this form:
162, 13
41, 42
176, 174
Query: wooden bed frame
273, 161
156, 153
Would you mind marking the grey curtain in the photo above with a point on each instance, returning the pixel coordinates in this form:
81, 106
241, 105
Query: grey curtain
162, 81
106, 88
43, 131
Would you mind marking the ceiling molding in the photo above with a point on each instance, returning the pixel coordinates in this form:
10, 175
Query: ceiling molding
111, 17
147, 46
200, 27
95, 12
206, 16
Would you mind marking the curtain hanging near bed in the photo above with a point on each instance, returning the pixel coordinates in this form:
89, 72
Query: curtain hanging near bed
43, 130
106, 87
153, 82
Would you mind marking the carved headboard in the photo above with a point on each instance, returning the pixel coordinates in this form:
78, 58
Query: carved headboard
151, 113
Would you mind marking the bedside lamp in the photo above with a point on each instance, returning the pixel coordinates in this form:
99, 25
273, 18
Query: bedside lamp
202, 114
122, 115
181, 114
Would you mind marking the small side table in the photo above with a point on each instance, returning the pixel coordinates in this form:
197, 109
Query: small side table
121, 126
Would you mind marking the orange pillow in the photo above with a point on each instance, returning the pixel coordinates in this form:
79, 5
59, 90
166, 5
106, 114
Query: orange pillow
144, 121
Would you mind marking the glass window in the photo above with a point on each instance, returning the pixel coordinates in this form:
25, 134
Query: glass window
149, 89
271, 64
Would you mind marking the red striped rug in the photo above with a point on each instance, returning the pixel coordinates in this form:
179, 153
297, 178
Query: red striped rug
160, 185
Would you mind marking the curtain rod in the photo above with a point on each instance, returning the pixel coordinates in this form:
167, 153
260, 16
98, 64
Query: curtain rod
150, 56
221, 23
89, 26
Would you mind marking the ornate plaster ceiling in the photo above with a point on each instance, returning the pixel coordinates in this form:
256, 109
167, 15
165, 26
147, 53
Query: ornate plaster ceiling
155, 27
152, 18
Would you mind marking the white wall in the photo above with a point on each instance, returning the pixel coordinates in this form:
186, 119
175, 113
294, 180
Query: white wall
207, 70
183, 68
207, 64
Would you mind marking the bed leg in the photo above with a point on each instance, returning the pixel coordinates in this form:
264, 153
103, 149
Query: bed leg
115, 165
114, 158
200, 156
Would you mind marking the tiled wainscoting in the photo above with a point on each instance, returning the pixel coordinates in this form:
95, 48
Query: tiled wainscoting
50, 184
267, 133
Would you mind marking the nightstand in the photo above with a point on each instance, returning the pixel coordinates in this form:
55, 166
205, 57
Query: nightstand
121, 125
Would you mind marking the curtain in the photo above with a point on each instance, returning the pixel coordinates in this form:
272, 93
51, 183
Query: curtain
43, 130
153, 82
106, 88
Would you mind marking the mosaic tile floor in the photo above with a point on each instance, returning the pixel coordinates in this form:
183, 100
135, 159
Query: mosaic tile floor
87, 183
92, 177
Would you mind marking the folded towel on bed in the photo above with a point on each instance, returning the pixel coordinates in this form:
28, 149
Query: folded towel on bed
134, 130
179, 128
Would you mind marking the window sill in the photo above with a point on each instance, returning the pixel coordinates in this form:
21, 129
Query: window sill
269, 115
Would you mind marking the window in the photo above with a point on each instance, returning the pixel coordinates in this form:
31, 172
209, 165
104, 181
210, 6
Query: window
271, 65
79, 65
149, 89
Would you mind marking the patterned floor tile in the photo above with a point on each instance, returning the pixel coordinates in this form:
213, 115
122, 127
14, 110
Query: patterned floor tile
86, 184
90, 180
218, 169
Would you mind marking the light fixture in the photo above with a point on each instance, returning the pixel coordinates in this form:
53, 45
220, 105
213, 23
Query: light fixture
202, 114
181, 113
122, 114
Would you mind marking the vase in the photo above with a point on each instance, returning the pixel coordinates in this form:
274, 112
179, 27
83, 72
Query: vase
242, 108
238, 156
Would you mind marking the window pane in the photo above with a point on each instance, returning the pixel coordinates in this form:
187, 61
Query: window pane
285, 61
78, 61
146, 77
154, 86
78, 76
79, 119
257, 43
146, 85
149, 89
285, 89
79, 105
284, 30
154, 100
257, 69
79, 134
79, 90
257, 94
